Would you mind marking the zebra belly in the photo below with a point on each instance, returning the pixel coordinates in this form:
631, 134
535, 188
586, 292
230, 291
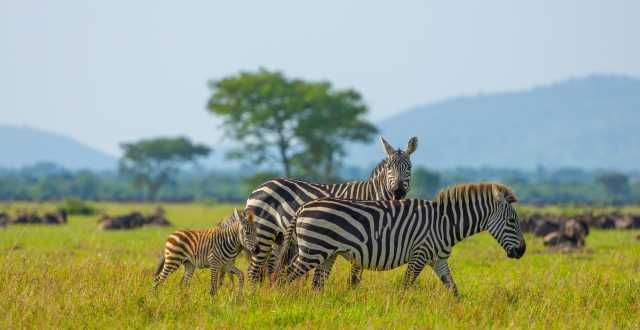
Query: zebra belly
383, 265
371, 262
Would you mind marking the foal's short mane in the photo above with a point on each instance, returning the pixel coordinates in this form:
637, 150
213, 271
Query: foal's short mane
461, 192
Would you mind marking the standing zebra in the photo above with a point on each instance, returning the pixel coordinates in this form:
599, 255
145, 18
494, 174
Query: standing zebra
277, 200
214, 248
383, 235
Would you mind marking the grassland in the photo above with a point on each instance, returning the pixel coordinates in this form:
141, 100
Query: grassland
74, 276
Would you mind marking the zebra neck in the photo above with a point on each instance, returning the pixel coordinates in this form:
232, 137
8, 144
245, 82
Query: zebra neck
374, 188
371, 189
232, 237
460, 220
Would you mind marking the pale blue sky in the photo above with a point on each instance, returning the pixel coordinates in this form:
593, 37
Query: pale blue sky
110, 71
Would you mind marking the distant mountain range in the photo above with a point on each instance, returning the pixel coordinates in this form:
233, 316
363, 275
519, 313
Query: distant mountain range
21, 146
591, 122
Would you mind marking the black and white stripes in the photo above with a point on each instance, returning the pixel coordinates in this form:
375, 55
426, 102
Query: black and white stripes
276, 201
215, 248
382, 235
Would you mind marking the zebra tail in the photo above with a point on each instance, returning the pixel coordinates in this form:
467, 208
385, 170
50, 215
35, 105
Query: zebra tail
160, 265
287, 253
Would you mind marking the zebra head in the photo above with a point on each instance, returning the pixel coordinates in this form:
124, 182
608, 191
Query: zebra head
504, 225
247, 230
397, 167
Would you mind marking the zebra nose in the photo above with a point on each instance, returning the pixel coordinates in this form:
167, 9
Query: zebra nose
517, 252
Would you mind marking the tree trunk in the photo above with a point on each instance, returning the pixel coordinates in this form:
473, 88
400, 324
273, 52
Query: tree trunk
285, 162
283, 146
152, 190
328, 167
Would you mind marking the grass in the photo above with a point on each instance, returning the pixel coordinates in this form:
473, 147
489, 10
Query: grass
74, 276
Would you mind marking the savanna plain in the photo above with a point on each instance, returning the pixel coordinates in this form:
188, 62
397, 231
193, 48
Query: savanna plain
76, 276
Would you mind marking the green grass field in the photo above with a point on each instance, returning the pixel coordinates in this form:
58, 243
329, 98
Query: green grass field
74, 276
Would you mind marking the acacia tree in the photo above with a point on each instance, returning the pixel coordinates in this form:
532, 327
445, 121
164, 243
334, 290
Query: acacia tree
290, 121
260, 110
335, 118
150, 163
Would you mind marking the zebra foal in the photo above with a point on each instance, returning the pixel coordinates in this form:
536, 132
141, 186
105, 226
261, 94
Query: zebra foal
382, 235
214, 248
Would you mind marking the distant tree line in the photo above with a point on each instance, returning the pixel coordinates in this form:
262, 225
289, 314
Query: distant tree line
283, 127
49, 182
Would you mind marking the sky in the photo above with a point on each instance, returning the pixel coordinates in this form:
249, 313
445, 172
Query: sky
104, 72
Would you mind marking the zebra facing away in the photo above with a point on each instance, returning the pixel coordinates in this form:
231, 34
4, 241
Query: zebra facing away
383, 235
214, 248
277, 200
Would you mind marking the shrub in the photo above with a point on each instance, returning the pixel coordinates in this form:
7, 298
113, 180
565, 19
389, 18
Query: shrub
77, 207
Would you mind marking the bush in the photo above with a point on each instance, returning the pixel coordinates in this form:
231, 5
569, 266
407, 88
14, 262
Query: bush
77, 207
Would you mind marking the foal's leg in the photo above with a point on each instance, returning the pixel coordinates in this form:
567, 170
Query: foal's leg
216, 267
170, 266
233, 270
189, 268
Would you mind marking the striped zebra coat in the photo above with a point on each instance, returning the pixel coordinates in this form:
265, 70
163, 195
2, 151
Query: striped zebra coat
277, 200
213, 248
383, 235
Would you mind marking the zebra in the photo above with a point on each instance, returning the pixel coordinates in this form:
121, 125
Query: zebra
214, 248
382, 235
277, 200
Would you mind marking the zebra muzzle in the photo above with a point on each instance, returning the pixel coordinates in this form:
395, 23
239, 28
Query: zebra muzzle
517, 252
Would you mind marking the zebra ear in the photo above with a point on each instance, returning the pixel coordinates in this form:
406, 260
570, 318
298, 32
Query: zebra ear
388, 149
236, 214
506, 197
249, 217
412, 145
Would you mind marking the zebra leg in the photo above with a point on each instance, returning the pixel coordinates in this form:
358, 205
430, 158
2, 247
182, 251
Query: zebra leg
441, 268
170, 266
257, 263
189, 268
232, 269
296, 270
322, 273
414, 268
216, 268
221, 278
271, 263
356, 274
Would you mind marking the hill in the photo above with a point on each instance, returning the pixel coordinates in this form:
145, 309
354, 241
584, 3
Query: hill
23, 146
588, 122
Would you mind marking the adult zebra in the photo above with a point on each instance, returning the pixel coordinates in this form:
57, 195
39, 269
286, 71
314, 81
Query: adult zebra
383, 235
277, 200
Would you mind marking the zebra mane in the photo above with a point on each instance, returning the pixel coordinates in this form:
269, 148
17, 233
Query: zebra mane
462, 192
231, 219
378, 169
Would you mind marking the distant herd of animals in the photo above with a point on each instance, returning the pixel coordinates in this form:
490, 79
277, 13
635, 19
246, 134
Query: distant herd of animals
291, 227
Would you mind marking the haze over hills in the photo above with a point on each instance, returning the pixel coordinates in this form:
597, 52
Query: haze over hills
591, 122
22, 146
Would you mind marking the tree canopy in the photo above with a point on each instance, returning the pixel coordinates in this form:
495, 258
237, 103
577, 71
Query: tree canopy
301, 125
150, 163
